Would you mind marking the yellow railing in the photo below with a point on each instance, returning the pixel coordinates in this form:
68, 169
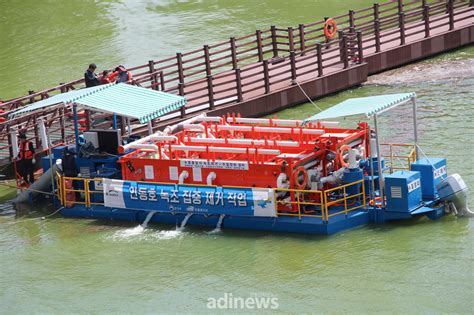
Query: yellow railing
308, 203
408, 157
350, 202
66, 199
297, 198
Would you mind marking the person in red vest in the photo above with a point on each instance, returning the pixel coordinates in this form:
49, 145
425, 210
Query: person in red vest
26, 159
120, 75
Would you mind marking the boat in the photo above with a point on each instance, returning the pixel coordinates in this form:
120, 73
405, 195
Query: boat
310, 176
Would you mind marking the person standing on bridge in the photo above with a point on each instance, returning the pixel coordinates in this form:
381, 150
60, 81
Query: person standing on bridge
26, 160
120, 75
90, 77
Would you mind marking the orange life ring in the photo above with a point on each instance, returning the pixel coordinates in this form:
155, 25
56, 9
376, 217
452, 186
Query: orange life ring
330, 28
300, 170
341, 155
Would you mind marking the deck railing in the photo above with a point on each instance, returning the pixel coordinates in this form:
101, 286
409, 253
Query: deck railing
322, 204
399, 156
257, 64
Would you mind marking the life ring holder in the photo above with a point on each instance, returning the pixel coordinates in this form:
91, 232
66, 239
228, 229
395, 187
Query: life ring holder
300, 170
341, 155
330, 28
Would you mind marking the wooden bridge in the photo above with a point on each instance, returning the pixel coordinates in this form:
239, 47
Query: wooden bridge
268, 70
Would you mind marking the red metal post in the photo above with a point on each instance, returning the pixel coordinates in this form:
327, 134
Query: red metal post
210, 91
293, 67
266, 76
302, 40
291, 41
238, 82
258, 34
319, 55
274, 40
32, 99
179, 59
233, 53
426, 17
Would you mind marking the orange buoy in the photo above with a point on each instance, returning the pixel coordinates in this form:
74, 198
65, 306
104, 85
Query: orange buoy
300, 183
341, 155
330, 28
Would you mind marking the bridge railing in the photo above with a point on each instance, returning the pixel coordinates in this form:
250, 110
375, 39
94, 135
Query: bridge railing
233, 70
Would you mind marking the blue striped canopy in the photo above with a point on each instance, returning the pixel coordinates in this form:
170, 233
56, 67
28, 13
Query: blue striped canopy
367, 106
121, 99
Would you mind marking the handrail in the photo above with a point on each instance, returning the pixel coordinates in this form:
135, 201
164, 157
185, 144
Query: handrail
176, 74
409, 158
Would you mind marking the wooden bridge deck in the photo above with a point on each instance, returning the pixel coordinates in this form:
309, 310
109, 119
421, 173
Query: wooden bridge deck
261, 73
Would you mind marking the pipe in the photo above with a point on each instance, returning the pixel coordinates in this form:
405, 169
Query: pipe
170, 129
42, 133
182, 177
14, 140
210, 177
154, 137
282, 181
225, 149
271, 129
278, 122
281, 143
143, 146
353, 159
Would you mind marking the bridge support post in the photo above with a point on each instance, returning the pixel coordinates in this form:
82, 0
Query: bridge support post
426, 17
293, 67
233, 53
179, 59
162, 81
360, 49
274, 40
266, 76
258, 34
291, 41
154, 77
401, 22
238, 82
450, 9
302, 40
377, 35
210, 91
319, 55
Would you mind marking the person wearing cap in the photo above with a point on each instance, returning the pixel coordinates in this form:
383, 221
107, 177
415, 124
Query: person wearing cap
26, 159
120, 75
90, 77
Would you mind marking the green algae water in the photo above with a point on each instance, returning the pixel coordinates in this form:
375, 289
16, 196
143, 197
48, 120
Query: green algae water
58, 266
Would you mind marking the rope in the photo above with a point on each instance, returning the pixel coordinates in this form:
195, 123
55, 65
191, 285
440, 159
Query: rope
29, 189
309, 99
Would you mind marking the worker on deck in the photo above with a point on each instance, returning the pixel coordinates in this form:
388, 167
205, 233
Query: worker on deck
90, 77
121, 74
26, 159
104, 79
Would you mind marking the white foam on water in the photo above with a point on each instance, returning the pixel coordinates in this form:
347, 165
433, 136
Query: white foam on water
218, 227
185, 220
139, 233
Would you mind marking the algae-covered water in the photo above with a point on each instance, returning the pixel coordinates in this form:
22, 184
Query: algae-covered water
61, 266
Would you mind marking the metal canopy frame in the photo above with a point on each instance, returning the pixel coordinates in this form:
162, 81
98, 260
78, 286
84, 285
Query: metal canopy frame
377, 140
